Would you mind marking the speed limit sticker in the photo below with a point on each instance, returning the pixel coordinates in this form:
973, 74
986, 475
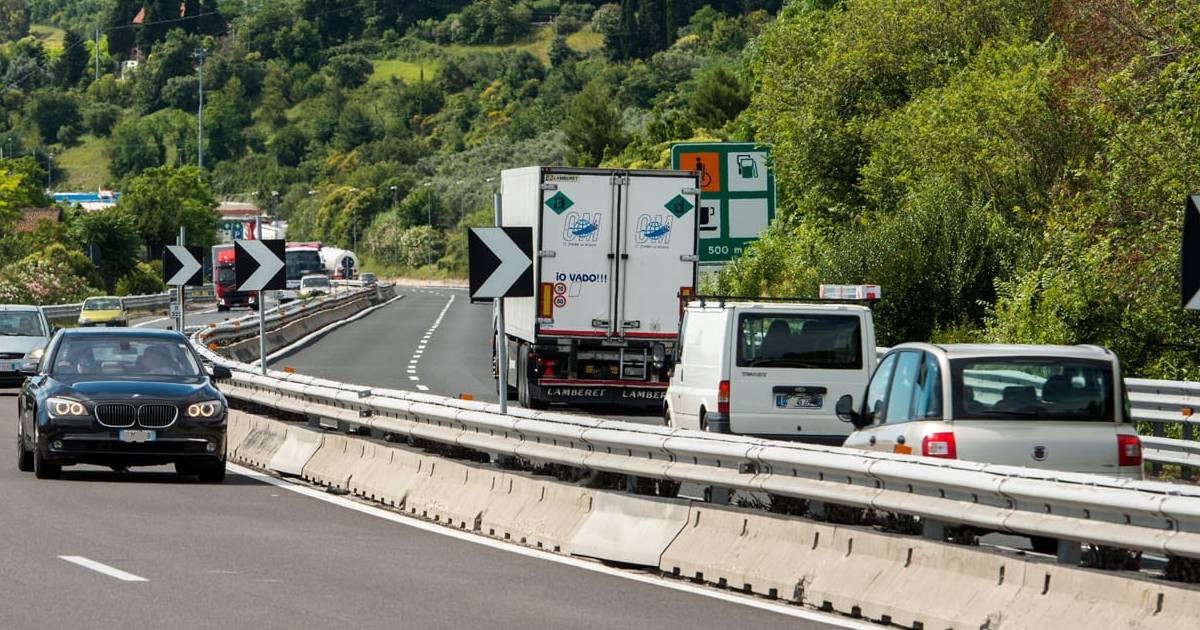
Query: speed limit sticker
560, 301
560, 288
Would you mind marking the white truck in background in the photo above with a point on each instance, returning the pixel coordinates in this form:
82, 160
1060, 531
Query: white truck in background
336, 262
616, 256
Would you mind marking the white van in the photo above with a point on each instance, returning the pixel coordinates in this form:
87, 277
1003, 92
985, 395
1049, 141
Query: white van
770, 369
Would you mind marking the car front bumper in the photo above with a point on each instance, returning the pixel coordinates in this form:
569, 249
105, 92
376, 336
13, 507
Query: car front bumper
67, 443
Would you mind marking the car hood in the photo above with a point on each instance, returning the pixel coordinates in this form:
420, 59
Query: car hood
100, 315
24, 345
160, 387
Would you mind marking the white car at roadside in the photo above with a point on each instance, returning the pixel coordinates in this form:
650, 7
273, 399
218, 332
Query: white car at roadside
315, 284
1050, 407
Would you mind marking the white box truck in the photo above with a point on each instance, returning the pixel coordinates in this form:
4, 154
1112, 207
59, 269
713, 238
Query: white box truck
615, 259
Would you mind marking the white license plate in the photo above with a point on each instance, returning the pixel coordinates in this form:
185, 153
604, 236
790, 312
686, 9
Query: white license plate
798, 401
10, 367
136, 436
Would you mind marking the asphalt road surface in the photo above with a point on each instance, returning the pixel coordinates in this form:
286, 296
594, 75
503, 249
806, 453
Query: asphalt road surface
145, 549
433, 340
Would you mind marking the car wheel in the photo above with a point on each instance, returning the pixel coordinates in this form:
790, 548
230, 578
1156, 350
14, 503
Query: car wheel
24, 457
212, 471
43, 469
1042, 544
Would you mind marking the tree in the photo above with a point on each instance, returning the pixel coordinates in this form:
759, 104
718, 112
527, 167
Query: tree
21, 181
560, 52
73, 61
349, 71
134, 147
288, 145
719, 97
165, 198
14, 20
122, 38
51, 110
593, 125
113, 232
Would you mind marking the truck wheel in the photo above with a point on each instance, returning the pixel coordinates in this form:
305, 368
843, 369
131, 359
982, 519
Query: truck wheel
524, 395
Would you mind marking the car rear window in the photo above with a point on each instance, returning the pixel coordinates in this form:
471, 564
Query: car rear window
123, 356
102, 304
793, 340
1032, 388
21, 324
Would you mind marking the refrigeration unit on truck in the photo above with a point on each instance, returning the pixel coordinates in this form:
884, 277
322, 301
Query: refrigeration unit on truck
336, 261
615, 258
225, 280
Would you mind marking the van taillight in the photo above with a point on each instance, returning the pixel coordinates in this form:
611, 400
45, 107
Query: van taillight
939, 445
723, 397
1129, 450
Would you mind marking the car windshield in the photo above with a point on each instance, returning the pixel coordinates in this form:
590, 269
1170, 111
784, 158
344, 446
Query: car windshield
102, 304
1032, 388
794, 340
320, 282
226, 275
124, 356
21, 324
301, 262
367, 277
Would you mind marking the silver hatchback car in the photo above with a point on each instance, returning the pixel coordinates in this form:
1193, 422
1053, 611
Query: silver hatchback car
24, 333
1051, 407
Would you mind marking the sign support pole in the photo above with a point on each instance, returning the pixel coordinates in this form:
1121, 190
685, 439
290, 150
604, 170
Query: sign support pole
262, 333
501, 342
182, 288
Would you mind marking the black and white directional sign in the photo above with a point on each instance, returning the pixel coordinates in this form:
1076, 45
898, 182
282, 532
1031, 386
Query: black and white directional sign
259, 265
1189, 259
500, 262
181, 265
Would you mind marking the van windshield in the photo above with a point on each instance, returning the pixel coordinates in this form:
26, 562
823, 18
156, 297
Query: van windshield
1032, 388
794, 340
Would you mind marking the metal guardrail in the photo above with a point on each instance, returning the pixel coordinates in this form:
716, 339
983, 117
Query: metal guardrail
1138, 515
151, 301
247, 326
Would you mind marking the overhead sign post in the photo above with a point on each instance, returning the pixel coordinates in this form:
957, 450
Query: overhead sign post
737, 194
500, 265
1189, 255
259, 266
181, 268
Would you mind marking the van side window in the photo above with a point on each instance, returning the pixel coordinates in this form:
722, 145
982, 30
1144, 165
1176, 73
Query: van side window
878, 388
927, 404
902, 393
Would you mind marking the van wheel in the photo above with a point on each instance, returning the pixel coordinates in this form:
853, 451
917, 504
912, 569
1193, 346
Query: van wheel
703, 420
667, 416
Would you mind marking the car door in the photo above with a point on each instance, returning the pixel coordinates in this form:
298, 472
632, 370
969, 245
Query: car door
891, 413
872, 404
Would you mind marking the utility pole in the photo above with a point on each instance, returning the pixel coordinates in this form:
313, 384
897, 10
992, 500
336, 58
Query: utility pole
97, 53
460, 200
199, 54
49, 169
429, 204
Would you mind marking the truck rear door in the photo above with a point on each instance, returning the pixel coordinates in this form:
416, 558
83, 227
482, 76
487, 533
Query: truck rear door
657, 252
577, 284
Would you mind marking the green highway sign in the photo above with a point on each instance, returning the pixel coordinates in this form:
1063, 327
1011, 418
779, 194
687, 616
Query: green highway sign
737, 194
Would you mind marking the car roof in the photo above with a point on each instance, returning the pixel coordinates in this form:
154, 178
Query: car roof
24, 308
968, 350
779, 306
155, 333
102, 297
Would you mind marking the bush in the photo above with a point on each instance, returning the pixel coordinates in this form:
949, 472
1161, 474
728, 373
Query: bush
43, 279
99, 118
143, 279
349, 71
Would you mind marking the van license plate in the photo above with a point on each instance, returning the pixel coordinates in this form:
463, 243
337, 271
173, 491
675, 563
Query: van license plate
136, 436
799, 401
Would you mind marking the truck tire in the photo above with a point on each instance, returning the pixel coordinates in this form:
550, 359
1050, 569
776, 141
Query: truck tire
524, 395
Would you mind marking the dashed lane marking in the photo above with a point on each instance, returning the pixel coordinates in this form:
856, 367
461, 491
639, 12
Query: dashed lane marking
100, 567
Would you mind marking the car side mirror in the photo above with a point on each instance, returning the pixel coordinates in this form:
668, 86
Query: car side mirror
221, 372
846, 413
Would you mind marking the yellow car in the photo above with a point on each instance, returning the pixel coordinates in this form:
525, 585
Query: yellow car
103, 311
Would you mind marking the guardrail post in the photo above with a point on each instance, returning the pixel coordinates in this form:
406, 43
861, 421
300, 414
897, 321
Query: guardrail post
1069, 552
1186, 471
1157, 431
933, 530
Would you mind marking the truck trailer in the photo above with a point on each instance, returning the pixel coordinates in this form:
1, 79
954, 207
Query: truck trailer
615, 260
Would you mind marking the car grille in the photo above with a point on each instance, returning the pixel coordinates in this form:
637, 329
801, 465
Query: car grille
157, 416
116, 414
11, 355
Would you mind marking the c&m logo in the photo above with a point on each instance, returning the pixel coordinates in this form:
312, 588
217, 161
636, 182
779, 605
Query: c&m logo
653, 230
581, 227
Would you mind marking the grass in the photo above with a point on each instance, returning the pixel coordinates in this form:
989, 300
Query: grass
83, 167
585, 40
49, 36
407, 71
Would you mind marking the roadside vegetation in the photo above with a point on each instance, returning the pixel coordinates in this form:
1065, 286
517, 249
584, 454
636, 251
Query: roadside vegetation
1007, 170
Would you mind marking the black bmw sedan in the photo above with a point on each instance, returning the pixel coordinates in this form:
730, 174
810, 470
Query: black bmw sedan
120, 398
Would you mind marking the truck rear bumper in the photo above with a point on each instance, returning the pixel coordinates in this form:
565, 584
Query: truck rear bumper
630, 393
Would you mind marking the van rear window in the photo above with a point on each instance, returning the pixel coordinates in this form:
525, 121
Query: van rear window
1032, 388
819, 342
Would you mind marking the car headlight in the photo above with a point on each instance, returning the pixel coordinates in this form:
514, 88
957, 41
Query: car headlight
65, 408
204, 409
36, 354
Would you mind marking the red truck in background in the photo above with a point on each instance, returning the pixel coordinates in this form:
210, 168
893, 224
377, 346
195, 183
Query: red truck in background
225, 281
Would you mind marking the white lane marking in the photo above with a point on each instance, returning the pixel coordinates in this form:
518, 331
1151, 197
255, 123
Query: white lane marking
587, 565
423, 388
424, 342
104, 568
414, 378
